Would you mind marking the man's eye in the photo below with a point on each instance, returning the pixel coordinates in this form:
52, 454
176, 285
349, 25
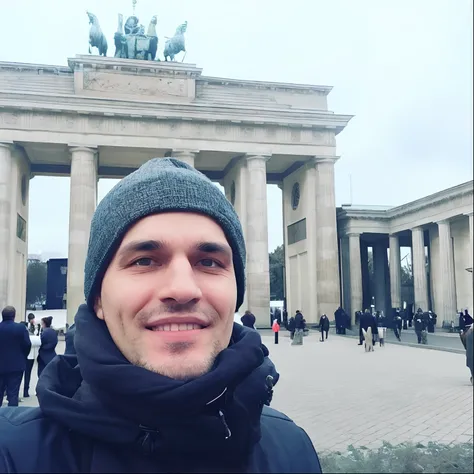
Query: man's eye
209, 262
143, 262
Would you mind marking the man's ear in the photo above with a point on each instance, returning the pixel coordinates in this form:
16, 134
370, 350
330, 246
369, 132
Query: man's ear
98, 308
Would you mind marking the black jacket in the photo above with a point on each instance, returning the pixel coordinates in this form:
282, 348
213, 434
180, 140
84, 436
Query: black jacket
299, 321
324, 323
69, 339
99, 413
15, 345
248, 320
47, 350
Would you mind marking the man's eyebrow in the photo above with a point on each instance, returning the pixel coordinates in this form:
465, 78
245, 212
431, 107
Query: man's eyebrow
214, 247
141, 246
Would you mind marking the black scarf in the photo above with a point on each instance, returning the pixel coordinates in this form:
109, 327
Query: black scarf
156, 413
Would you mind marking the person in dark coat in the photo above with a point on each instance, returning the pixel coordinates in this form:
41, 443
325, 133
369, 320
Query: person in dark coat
163, 379
292, 327
49, 341
365, 321
324, 326
397, 324
419, 325
467, 318
69, 339
340, 319
14, 348
248, 320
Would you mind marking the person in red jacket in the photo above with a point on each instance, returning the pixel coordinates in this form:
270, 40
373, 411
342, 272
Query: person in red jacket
276, 329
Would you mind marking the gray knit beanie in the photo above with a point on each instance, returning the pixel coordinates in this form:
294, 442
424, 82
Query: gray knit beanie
160, 185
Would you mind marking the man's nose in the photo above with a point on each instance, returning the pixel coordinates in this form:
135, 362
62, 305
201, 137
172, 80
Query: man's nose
179, 283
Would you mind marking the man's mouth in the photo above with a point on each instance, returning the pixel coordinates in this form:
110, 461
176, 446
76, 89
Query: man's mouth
173, 327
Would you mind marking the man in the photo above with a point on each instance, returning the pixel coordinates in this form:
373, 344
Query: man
366, 320
162, 379
14, 348
248, 320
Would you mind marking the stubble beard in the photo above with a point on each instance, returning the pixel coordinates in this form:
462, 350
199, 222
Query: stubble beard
184, 365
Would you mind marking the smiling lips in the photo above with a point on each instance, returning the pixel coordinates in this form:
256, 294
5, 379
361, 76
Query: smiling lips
174, 327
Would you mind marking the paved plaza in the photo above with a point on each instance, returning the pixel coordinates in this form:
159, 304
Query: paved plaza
341, 395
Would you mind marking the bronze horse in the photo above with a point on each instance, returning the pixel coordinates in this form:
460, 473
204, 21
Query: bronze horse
176, 44
96, 36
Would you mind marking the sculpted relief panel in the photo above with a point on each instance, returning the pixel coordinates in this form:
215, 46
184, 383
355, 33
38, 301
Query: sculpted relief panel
146, 86
153, 127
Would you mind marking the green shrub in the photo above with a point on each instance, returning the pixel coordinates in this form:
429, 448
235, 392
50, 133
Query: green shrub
403, 458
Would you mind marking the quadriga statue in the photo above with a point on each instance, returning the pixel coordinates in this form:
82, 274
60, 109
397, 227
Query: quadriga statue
135, 44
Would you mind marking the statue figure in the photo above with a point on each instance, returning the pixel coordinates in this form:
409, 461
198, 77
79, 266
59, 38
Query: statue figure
131, 26
134, 44
176, 44
96, 37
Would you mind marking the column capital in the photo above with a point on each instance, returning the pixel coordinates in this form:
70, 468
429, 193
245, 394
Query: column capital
257, 156
183, 151
443, 222
418, 228
88, 148
394, 235
7, 144
320, 159
353, 234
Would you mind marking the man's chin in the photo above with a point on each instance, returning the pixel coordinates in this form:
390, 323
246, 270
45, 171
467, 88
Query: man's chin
184, 367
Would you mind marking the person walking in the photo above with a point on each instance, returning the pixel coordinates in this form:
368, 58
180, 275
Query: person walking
365, 321
30, 361
418, 323
49, 341
276, 329
323, 327
14, 348
299, 329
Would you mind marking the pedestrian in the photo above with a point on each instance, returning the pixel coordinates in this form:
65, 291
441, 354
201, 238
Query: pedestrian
365, 321
30, 361
248, 320
69, 340
276, 329
49, 341
397, 324
323, 326
418, 323
33, 328
165, 381
292, 327
299, 329
14, 347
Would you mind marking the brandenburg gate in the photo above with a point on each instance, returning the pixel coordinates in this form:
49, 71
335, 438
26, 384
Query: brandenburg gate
102, 117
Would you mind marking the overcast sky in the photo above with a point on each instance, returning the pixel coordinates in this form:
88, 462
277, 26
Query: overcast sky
403, 68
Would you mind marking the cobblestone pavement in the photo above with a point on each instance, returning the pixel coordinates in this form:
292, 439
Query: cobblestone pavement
341, 395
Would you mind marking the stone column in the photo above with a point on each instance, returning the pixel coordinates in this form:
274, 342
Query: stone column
258, 277
5, 219
420, 280
395, 271
188, 156
355, 275
364, 259
327, 256
82, 207
380, 276
448, 286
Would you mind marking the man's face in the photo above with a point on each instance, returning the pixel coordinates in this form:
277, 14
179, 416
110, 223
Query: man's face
168, 297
